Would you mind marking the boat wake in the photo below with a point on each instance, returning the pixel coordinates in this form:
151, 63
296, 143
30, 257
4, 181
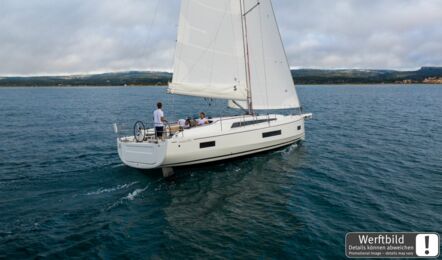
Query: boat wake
103, 190
132, 195
128, 197
289, 150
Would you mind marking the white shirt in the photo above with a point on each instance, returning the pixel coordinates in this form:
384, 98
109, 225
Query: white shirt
202, 121
157, 115
182, 122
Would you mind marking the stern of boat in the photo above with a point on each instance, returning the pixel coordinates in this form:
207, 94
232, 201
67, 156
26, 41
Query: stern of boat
141, 155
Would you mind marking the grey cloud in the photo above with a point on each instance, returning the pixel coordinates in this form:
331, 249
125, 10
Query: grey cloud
79, 36
52, 37
396, 34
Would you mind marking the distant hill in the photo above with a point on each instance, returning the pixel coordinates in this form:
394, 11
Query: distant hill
301, 76
105, 79
312, 76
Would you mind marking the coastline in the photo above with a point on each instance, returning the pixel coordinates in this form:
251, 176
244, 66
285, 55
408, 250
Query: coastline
165, 85
425, 75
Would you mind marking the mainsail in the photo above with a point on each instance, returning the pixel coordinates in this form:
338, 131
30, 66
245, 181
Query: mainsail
209, 56
227, 47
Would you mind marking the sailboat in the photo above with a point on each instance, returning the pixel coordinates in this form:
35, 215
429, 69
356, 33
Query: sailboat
230, 50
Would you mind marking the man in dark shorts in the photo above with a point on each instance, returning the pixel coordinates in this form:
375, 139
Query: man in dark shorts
158, 119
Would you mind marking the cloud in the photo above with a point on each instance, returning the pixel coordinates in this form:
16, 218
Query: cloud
85, 36
396, 34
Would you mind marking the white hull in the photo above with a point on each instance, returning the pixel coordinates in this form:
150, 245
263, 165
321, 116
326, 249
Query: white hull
225, 138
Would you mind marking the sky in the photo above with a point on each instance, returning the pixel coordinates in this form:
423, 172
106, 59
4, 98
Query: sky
60, 37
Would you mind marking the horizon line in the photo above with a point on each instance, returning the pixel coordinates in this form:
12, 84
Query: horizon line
62, 74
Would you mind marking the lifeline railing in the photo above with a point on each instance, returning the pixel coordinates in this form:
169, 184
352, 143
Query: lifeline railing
142, 134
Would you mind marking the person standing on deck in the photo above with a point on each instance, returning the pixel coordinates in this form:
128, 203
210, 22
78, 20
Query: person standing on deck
159, 120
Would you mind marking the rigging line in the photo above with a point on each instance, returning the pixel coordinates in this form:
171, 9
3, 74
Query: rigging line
241, 2
149, 31
178, 51
253, 7
283, 48
263, 57
173, 107
173, 112
246, 58
239, 105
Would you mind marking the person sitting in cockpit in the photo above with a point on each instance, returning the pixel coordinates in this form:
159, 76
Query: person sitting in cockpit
190, 122
203, 120
187, 123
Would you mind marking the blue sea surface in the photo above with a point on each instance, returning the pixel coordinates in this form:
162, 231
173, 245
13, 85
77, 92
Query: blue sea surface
372, 161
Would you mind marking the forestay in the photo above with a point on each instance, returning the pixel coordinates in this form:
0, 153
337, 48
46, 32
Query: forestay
209, 59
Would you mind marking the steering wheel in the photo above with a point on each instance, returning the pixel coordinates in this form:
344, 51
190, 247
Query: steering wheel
139, 131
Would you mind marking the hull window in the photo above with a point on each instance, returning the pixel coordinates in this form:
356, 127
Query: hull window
273, 133
299, 127
252, 122
207, 144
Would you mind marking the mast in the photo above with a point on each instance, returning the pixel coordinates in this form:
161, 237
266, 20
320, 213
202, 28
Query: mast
246, 55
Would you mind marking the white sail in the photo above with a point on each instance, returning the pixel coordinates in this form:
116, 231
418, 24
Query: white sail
271, 81
209, 58
217, 46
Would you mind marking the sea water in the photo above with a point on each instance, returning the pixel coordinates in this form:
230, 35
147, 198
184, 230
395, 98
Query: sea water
372, 161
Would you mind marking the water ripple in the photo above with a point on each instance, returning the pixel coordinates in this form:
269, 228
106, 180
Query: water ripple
372, 161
